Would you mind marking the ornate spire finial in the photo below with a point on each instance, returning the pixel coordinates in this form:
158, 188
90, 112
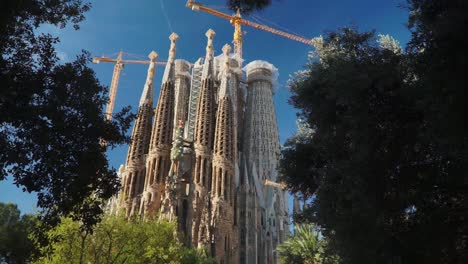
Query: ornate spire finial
208, 67
209, 45
174, 36
210, 33
172, 50
169, 71
226, 49
153, 56
224, 74
147, 95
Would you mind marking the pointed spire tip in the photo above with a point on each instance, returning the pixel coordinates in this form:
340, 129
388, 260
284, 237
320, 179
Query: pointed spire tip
226, 49
210, 33
153, 55
174, 36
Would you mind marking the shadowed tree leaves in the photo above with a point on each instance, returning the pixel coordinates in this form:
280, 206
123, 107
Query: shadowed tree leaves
353, 100
52, 118
248, 6
15, 246
387, 161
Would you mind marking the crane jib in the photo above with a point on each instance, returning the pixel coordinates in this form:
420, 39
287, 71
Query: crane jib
236, 20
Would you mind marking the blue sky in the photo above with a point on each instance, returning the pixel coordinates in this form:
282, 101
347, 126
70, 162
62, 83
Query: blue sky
138, 27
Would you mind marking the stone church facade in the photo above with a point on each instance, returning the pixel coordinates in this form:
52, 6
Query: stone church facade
203, 154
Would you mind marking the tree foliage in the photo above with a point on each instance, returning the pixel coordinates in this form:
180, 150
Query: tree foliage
387, 161
117, 240
247, 6
196, 256
52, 117
15, 245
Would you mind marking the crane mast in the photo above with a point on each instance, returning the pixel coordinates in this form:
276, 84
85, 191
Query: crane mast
119, 64
113, 88
238, 35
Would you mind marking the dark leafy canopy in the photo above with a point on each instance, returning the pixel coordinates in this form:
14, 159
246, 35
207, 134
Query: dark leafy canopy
247, 6
388, 159
15, 246
52, 119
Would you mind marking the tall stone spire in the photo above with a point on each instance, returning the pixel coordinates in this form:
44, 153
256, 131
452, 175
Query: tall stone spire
222, 190
135, 168
169, 72
203, 144
261, 149
208, 66
158, 160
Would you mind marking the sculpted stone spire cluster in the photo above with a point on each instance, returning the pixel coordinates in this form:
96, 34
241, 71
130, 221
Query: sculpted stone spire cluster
158, 160
213, 143
135, 176
222, 191
203, 144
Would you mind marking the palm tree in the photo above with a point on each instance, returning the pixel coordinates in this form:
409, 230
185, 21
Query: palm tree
306, 246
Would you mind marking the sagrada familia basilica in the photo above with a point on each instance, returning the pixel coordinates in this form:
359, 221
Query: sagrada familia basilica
203, 155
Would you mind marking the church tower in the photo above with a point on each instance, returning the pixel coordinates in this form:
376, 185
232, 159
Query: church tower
134, 176
158, 160
203, 144
222, 186
210, 156
266, 222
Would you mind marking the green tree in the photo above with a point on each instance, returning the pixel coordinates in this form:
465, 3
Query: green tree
117, 240
306, 246
52, 117
15, 246
387, 159
196, 256
114, 240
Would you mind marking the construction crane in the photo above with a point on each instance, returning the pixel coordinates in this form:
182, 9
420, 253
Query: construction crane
237, 21
119, 64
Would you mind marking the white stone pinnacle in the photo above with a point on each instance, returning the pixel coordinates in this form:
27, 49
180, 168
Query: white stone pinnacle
224, 87
147, 94
172, 50
207, 67
169, 71
153, 56
226, 49
209, 45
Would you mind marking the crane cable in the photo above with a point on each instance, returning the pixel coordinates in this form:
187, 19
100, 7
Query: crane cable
261, 20
266, 21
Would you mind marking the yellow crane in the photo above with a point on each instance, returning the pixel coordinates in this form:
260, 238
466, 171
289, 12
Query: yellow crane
237, 21
119, 63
